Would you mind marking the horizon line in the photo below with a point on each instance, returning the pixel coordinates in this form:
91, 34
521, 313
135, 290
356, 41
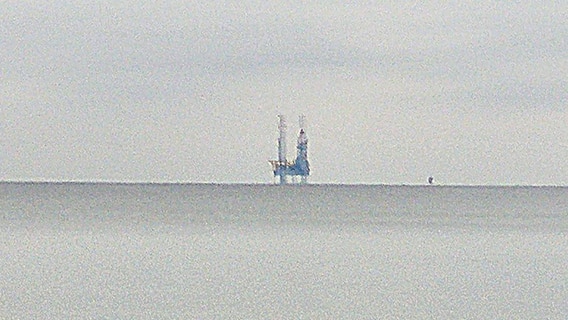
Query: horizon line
165, 183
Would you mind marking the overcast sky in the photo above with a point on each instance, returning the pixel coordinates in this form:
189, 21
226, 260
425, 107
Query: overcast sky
470, 92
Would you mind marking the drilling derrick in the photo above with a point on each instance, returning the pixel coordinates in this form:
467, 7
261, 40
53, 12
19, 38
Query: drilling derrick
302, 164
283, 168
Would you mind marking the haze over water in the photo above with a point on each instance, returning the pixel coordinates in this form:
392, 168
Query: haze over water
199, 251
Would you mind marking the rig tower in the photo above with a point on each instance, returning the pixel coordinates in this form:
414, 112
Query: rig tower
300, 167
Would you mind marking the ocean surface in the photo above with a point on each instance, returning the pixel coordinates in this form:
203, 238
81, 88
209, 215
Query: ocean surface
198, 251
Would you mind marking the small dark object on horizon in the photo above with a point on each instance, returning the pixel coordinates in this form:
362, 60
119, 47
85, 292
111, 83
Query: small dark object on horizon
430, 180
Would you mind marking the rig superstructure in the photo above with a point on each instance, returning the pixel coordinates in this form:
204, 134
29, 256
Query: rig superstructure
300, 167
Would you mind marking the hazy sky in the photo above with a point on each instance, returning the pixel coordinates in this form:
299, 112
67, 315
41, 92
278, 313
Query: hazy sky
470, 92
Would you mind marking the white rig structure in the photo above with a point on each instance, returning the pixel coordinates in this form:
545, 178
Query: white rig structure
300, 167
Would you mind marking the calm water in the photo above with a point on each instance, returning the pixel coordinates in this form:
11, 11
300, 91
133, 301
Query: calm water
109, 251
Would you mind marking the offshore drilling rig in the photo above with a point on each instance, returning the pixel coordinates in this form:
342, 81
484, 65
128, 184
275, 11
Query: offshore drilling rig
300, 167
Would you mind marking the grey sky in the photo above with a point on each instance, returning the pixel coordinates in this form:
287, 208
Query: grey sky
471, 92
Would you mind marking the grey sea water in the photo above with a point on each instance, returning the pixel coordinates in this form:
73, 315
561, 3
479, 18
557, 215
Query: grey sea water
135, 251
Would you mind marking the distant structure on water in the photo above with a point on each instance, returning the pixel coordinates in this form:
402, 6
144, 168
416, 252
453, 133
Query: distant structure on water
300, 167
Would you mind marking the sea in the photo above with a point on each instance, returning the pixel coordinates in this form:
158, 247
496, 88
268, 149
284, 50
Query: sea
215, 251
